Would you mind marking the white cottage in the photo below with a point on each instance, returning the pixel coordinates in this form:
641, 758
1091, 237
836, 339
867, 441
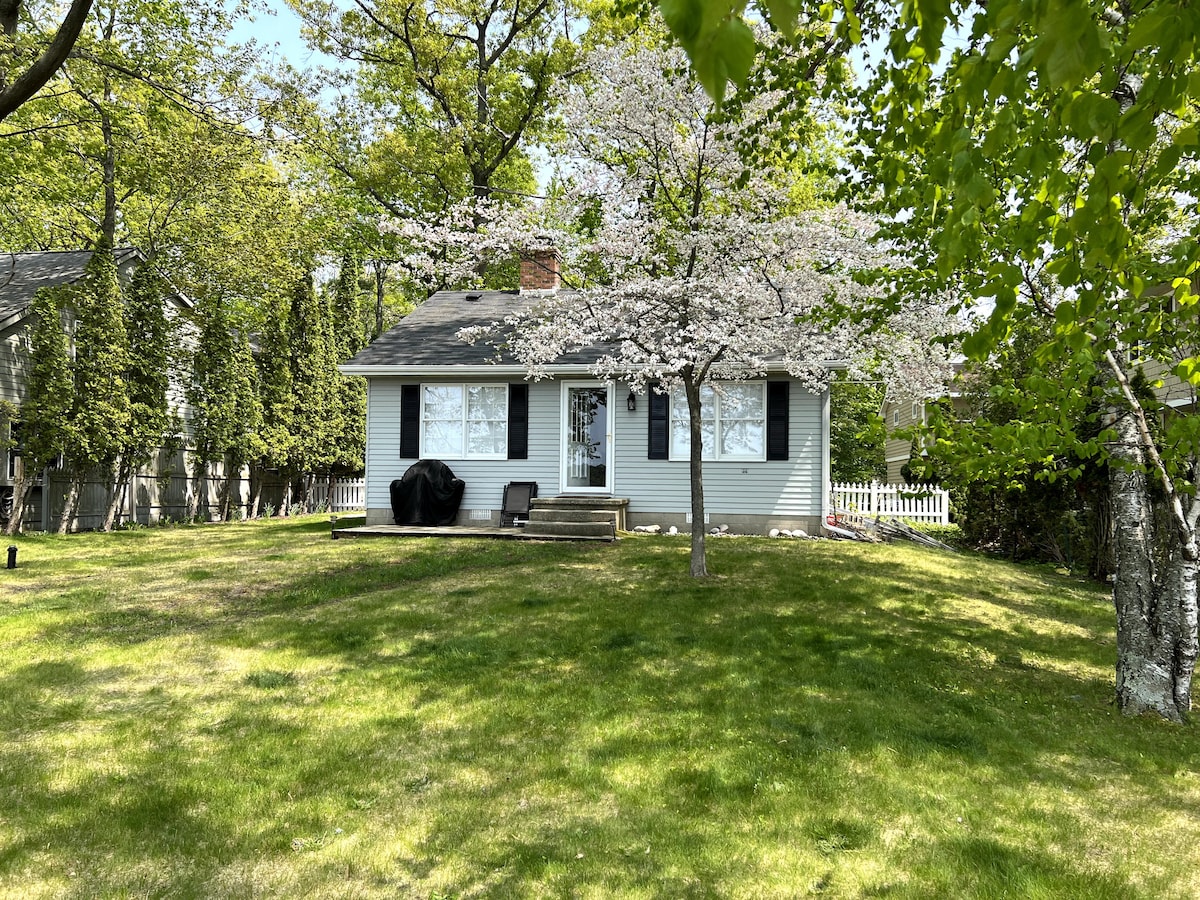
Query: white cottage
433, 396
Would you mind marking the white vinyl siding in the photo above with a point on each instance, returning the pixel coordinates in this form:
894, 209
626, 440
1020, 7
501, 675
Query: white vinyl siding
791, 488
485, 478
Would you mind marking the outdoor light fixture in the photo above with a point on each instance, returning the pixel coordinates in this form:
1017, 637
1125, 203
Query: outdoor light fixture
631, 402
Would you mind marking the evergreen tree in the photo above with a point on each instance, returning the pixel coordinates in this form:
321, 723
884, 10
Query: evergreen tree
274, 369
348, 338
45, 414
212, 394
150, 339
100, 412
856, 433
314, 409
246, 441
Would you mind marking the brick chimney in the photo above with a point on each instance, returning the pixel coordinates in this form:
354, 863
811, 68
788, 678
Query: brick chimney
540, 270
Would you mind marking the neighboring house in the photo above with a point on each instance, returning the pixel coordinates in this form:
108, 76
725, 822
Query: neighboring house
159, 491
901, 415
1174, 393
433, 396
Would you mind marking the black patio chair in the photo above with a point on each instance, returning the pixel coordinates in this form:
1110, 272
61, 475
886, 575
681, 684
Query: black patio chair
518, 498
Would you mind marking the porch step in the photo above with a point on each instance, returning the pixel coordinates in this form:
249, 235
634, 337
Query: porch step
615, 507
576, 518
544, 514
574, 531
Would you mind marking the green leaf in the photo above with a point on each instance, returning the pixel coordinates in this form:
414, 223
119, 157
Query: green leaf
728, 56
782, 15
1069, 44
685, 18
1064, 313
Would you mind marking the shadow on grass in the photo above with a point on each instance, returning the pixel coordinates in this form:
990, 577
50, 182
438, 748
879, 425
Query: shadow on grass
563, 717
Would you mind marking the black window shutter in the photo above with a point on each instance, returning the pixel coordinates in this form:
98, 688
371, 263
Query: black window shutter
777, 420
659, 444
410, 421
518, 421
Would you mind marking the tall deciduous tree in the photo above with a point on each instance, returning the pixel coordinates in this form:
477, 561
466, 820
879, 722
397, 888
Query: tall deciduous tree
1047, 166
17, 85
448, 97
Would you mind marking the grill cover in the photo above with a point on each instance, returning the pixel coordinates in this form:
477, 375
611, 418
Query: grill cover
427, 494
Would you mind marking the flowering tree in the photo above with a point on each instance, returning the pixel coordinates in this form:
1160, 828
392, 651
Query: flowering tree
695, 262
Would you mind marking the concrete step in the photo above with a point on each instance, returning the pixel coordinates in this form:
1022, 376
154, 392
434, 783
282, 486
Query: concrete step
555, 514
615, 506
597, 531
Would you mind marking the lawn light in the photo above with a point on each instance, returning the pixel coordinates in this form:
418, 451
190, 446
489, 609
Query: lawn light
631, 402
12, 557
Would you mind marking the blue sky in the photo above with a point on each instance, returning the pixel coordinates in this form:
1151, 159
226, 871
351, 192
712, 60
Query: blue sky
277, 30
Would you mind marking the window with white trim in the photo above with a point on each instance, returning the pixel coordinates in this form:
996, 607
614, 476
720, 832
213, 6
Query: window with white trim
464, 421
733, 422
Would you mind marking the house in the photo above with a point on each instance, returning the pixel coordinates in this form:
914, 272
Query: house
431, 395
159, 491
902, 414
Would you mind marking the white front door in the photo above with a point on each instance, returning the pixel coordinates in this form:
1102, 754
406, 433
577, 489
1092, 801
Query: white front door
587, 416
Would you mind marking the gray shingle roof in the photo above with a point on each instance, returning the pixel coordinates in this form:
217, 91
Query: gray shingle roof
428, 336
22, 274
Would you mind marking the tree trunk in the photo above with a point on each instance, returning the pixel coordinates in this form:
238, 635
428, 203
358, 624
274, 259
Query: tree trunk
70, 503
20, 496
116, 495
198, 471
380, 281
256, 483
226, 492
696, 473
1154, 593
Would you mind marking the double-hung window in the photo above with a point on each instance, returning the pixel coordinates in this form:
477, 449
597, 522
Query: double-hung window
464, 421
733, 422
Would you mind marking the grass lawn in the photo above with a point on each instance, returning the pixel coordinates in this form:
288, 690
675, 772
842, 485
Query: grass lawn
256, 710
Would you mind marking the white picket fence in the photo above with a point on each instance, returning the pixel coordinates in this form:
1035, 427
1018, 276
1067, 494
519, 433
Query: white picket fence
348, 494
916, 502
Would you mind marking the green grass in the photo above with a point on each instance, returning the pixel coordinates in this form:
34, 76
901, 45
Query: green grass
255, 710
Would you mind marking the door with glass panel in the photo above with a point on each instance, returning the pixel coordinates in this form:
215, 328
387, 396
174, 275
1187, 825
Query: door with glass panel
587, 439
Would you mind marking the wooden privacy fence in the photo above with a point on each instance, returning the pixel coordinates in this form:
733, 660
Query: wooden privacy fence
348, 494
916, 502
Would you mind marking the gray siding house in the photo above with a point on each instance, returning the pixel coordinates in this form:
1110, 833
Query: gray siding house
158, 492
433, 396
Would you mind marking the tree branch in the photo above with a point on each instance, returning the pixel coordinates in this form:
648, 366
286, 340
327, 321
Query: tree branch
44, 67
